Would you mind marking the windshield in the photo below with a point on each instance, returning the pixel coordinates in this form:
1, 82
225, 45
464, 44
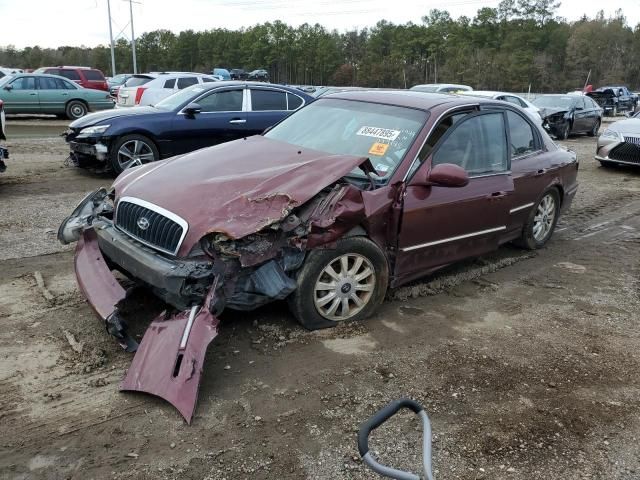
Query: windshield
179, 98
383, 133
554, 101
424, 88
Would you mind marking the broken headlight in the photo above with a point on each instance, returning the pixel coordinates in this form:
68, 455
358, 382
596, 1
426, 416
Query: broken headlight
92, 205
95, 130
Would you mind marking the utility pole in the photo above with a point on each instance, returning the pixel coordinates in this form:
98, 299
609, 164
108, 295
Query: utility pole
133, 36
113, 55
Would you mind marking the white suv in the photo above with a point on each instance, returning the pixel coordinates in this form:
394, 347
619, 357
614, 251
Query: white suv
150, 88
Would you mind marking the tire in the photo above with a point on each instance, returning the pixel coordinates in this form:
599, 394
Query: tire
563, 134
76, 109
594, 131
140, 150
607, 164
532, 240
306, 302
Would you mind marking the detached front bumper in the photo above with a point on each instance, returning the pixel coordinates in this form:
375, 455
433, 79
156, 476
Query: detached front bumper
170, 359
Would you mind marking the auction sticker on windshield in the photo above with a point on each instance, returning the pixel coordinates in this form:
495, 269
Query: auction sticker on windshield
376, 132
378, 149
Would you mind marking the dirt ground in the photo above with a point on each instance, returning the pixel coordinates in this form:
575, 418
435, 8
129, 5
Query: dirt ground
527, 363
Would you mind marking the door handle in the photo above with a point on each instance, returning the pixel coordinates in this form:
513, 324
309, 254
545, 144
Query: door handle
65, 94
237, 121
542, 171
33, 93
497, 195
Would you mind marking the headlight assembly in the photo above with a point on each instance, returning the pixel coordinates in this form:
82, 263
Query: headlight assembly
95, 130
93, 204
612, 134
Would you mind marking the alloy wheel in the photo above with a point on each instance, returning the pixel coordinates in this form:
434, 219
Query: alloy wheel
134, 153
344, 287
544, 218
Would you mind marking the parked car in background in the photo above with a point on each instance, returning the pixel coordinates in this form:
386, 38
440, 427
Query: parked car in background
223, 73
4, 152
441, 88
614, 99
193, 118
40, 93
84, 76
259, 75
116, 82
322, 91
526, 105
5, 71
238, 74
142, 91
355, 193
620, 143
563, 115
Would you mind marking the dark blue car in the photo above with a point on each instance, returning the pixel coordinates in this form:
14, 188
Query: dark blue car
193, 118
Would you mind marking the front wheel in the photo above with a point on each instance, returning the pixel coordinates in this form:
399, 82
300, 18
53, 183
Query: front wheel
132, 151
563, 134
347, 282
594, 131
541, 221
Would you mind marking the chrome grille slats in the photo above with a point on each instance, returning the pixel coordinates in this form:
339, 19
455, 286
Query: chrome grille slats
165, 230
634, 140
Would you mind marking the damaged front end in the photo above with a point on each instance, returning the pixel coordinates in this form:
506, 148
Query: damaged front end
219, 271
555, 123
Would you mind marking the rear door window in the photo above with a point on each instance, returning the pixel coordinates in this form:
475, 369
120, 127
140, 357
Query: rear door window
225, 101
264, 100
478, 144
94, 75
522, 139
70, 74
46, 83
294, 101
184, 82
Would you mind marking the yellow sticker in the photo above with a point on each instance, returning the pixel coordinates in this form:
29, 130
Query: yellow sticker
378, 149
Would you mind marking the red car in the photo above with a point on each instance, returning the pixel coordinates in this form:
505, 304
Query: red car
83, 76
352, 194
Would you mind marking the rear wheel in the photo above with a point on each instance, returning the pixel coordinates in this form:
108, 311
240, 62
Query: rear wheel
76, 109
132, 151
541, 221
345, 283
594, 131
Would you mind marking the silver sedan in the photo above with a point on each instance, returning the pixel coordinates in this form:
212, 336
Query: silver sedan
620, 143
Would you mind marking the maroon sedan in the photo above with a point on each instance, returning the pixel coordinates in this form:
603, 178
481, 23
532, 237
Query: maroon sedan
355, 193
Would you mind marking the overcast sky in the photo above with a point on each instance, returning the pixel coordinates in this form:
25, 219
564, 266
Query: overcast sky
51, 23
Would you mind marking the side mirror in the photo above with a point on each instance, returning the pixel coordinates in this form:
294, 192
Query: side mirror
448, 175
8, 87
192, 109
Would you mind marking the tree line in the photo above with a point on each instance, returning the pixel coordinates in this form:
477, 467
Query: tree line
517, 44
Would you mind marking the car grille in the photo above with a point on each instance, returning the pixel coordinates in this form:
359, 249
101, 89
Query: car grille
634, 140
626, 152
161, 232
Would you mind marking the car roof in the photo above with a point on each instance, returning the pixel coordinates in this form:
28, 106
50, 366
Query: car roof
441, 85
408, 98
47, 75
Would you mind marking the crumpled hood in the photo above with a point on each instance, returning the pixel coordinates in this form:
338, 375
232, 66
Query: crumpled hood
630, 126
99, 117
236, 188
548, 111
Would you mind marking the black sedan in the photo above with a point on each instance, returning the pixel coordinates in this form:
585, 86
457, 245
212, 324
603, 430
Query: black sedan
563, 115
196, 117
